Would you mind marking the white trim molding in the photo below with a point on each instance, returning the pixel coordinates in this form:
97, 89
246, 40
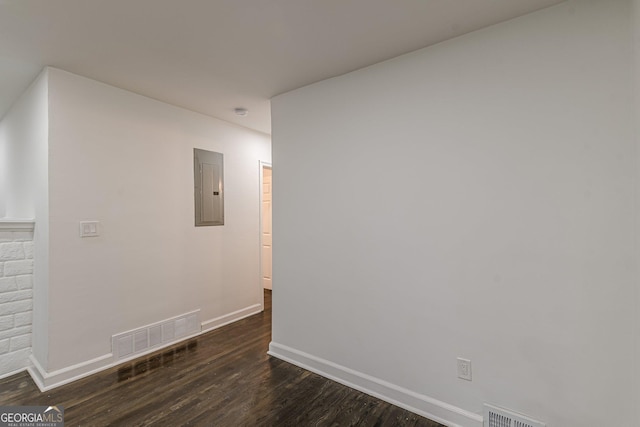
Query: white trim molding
218, 322
50, 380
263, 165
23, 365
420, 404
11, 224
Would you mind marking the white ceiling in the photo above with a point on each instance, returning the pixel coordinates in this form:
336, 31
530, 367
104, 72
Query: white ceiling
213, 55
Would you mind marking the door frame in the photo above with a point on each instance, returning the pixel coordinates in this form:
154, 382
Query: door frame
264, 165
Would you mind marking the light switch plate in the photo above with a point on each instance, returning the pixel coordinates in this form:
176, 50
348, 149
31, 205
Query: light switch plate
89, 228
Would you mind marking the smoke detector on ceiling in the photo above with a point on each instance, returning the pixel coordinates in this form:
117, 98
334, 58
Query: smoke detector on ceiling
241, 111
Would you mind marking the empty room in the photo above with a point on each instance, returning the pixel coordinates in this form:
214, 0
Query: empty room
304, 212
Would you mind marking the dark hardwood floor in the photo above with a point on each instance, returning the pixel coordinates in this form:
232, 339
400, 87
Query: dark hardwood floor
222, 378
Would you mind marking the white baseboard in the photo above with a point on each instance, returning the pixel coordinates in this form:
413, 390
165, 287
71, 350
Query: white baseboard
426, 406
14, 362
218, 322
50, 380
12, 373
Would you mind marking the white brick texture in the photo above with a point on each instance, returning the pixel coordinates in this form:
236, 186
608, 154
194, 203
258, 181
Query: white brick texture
14, 307
16, 296
22, 341
11, 251
16, 268
22, 330
22, 319
4, 346
24, 282
8, 284
6, 322
28, 250
16, 299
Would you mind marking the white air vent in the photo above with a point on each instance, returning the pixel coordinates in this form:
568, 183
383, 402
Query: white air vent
140, 340
158, 334
155, 335
168, 331
498, 417
124, 345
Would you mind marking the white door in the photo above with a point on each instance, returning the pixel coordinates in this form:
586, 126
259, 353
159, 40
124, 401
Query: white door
266, 227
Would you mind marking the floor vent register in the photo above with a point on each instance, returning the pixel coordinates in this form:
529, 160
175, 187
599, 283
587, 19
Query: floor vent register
498, 417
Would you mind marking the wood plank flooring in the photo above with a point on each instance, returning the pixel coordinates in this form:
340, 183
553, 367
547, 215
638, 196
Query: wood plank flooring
222, 378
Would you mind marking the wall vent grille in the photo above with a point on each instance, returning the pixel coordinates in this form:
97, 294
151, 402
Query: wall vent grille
498, 417
127, 344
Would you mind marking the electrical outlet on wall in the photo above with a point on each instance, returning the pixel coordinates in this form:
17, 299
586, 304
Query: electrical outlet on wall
464, 369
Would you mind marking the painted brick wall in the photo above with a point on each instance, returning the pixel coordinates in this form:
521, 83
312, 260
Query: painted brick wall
16, 294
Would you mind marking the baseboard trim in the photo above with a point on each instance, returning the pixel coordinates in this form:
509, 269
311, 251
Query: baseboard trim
12, 373
50, 380
218, 322
426, 406
14, 362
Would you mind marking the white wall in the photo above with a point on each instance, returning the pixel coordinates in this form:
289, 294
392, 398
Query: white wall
23, 137
127, 161
473, 199
24, 165
3, 170
636, 34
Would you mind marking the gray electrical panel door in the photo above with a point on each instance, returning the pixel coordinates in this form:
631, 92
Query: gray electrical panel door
208, 187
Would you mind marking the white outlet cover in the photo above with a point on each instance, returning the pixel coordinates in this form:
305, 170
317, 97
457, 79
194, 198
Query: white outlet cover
464, 369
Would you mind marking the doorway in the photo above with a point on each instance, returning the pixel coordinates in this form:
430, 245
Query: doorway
266, 225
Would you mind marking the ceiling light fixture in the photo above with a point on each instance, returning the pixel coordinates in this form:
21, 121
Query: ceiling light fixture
241, 111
